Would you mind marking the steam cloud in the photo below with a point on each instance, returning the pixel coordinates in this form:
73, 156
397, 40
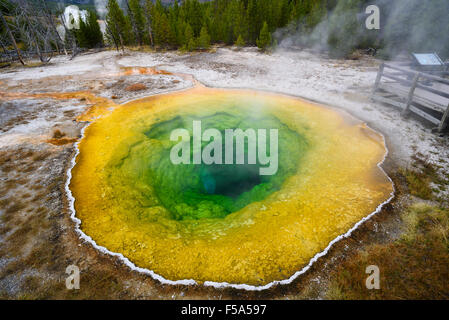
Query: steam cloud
406, 25
100, 5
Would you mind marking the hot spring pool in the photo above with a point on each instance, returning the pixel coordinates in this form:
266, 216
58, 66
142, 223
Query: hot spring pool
225, 223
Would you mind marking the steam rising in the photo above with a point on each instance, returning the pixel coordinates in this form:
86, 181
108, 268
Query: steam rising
405, 26
100, 5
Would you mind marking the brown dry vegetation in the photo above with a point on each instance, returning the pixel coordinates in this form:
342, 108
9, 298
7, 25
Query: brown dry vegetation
413, 267
136, 87
423, 179
61, 141
36, 247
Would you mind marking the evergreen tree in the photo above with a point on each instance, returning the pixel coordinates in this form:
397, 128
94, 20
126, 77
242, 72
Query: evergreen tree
180, 32
95, 37
163, 34
264, 40
89, 34
138, 20
240, 42
173, 14
117, 26
344, 28
162, 30
240, 21
252, 20
191, 45
194, 15
81, 34
316, 14
149, 22
189, 41
204, 40
188, 24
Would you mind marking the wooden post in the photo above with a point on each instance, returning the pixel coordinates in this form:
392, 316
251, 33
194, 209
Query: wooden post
444, 120
378, 78
410, 94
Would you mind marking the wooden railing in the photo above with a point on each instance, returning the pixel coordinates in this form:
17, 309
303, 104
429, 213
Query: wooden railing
401, 91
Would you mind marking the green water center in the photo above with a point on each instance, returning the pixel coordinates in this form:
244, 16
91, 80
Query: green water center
198, 191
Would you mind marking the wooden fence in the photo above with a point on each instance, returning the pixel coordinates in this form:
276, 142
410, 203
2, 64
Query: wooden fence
414, 92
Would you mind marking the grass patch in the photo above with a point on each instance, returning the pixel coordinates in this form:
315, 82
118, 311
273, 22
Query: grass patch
7, 168
145, 48
17, 206
27, 169
421, 176
4, 202
412, 267
5, 157
34, 64
12, 210
418, 183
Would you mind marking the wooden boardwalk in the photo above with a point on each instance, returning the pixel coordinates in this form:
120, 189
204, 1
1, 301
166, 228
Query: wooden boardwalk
414, 92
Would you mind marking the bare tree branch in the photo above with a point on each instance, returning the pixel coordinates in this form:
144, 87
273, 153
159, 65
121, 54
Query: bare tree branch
8, 30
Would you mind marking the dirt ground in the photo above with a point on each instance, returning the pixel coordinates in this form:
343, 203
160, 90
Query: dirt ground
38, 129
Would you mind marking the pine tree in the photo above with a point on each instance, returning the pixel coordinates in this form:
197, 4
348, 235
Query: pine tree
89, 34
240, 42
163, 32
149, 22
317, 11
204, 40
95, 35
252, 20
241, 23
117, 26
191, 45
81, 34
180, 32
189, 41
194, 15
302, 9
264, 40
138, 20
285, 9
161, 27
190, 23
343, 36
173, 14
